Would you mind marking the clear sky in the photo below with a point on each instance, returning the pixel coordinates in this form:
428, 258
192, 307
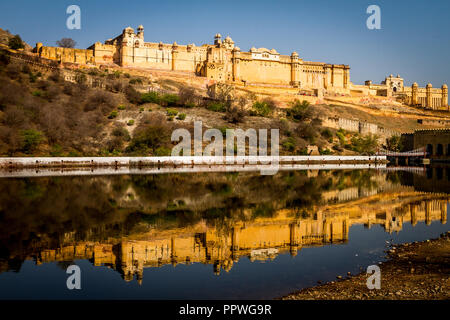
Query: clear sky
413, 40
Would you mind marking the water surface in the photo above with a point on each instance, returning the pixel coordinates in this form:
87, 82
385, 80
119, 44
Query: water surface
208, 235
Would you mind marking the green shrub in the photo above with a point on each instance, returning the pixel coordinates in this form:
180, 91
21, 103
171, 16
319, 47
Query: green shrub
74, 153
141, 109
121, 107
190, 105
130, 122
325, 152
30, 140
341, 136
37, 93
113, 114
170, 118
16, 42
149, 138
135, 81
126, 75
172, 112
366, 145
289, 144
181, 116
94, 72
216, 106
168, 100
121, 132
150, 97
263, 108
56, 151
394, 143
162, 151
299, 111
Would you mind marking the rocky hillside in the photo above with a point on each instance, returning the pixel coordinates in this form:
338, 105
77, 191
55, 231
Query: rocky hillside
5, 35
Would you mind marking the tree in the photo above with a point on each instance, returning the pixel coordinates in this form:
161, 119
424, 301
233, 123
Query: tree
365, 145
300, 111
394, 143
30, 140
16, 42
66, 43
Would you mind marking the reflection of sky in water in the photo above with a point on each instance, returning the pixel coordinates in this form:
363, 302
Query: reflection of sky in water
246, 279
253, 280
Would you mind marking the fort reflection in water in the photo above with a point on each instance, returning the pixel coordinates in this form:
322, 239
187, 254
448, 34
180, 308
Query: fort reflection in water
217, 228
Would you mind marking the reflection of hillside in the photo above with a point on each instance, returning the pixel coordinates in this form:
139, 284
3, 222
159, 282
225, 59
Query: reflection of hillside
260, 239
132, 222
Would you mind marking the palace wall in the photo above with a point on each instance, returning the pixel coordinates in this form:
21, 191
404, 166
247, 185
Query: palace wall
436, 142
224, 62
221, 61
261, 239
428, 97
361, 127
261, 71
81, 56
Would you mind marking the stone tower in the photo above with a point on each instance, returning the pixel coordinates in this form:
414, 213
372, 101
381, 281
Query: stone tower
444, 103
236, 62
414, 94
295, 67
429, 96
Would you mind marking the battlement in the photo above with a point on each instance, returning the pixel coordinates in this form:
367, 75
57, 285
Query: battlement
221, 61
428, 97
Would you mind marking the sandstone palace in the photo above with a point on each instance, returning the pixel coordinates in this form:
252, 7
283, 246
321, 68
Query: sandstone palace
223, 61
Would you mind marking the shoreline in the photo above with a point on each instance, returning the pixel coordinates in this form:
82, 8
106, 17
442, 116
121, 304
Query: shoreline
136, 170
413, 271
169, 161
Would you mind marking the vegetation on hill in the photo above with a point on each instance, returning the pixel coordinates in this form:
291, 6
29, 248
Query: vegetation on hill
14, 42
66, 43
41, 115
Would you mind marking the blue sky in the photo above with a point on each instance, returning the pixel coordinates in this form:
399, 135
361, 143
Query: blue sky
413, 40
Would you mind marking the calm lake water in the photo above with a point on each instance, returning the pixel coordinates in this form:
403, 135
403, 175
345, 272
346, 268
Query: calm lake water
208, 235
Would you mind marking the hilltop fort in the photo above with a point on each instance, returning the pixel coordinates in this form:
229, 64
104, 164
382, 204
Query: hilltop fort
223, 61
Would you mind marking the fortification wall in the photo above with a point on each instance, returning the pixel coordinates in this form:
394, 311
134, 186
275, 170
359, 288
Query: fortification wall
428, 97
70, 55
434, 122
361, 127
105, 53
261, 71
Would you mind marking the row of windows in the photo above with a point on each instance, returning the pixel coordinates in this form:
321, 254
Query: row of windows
439, 150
